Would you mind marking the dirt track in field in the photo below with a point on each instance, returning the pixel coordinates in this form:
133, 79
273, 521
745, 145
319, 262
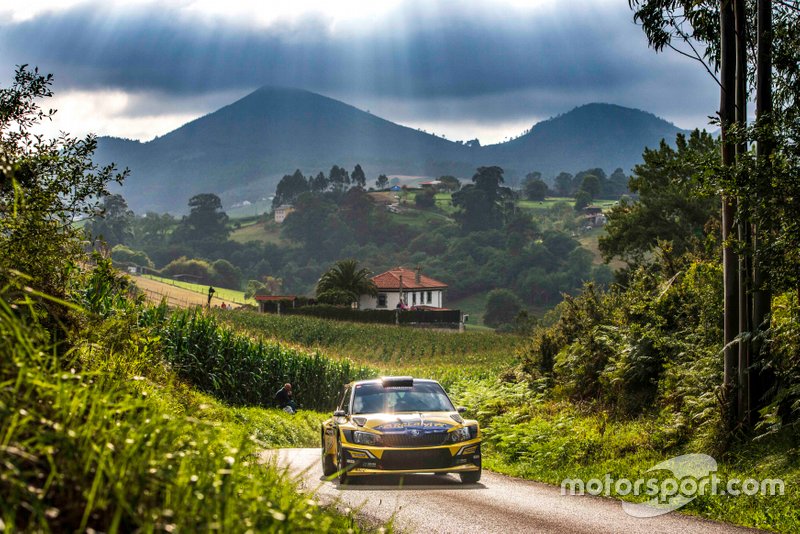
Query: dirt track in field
176, 296
441, 504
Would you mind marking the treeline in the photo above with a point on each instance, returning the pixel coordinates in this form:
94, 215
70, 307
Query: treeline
491, 245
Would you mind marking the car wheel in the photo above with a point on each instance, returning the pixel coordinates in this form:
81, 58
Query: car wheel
343, 478
328, 467
470, 477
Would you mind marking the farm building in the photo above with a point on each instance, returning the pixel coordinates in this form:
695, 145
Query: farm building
282, 211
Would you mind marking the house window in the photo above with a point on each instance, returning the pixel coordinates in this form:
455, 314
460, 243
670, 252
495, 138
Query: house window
414, 299
430, 297
381, 300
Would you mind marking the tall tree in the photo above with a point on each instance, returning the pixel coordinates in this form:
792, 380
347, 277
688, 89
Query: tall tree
382, 181
206, 220
319, 183
289, 188
338, 178
563, 184
114, 224
753, 187
450, 183
358, 178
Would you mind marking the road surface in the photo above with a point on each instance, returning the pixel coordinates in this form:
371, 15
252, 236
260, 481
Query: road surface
430, 503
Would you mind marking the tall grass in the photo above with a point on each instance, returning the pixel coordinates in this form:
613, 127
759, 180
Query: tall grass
100, 435
390, 348
235, 368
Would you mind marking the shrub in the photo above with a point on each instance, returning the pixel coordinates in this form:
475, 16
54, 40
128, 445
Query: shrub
125, 255
198, 271
502, 307
226, 275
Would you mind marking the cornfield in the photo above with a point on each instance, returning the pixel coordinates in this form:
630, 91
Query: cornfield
392, 349
235, 368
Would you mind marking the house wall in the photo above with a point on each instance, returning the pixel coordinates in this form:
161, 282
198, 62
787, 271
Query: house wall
393, 298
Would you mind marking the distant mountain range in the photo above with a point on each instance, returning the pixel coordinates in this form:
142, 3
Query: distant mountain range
241, 151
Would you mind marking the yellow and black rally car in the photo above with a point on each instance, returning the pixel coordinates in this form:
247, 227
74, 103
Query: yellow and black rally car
399, 424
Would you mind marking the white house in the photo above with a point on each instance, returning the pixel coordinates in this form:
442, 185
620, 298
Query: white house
282, 211
412, 286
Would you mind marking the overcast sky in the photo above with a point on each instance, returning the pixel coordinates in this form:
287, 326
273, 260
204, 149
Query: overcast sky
463, 69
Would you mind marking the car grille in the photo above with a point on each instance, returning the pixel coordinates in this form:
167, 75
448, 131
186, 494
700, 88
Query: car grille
404, 439
427, 459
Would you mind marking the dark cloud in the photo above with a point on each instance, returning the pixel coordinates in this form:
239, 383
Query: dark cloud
447, 62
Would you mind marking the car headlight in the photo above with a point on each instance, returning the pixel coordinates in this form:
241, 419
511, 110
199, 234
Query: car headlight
366, 438
460, 434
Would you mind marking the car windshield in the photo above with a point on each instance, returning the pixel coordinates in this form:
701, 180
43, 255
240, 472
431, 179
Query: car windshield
421, 397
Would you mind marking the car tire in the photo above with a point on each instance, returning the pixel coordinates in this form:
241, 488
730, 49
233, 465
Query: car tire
470, 477
328, 467
343, 478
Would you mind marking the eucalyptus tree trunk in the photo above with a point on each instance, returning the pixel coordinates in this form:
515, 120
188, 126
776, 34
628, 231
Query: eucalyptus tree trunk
743, 219
762, 378
727, 111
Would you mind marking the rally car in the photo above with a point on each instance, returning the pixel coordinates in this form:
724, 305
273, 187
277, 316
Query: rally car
398, 425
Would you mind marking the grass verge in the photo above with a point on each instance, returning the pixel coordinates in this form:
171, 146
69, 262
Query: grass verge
99, 434
529, 437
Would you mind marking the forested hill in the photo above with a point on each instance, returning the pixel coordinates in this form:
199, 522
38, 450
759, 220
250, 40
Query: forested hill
594, 135
240, 151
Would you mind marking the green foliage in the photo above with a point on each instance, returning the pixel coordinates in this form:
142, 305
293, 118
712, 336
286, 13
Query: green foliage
44, 186
591, 184
206, 221
450, 183
289, 188
239, 370
114, 223
226, 275
651, 345
425, 199
528, 435
502, 307
124, 255
582, 200
104, 438
480, 202
671, 207
536, 189
563, 184
344, 283
197, 271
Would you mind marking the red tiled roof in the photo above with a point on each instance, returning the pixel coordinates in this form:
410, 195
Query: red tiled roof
268, 298
390, 280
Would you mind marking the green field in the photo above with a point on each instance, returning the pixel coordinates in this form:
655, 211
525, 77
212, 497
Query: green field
254, 230
231, 295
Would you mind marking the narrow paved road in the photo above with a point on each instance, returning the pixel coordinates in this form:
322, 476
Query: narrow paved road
430, 503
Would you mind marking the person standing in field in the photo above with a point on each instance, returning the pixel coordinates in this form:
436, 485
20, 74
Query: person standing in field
210, 294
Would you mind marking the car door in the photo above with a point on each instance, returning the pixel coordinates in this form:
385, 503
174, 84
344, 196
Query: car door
332, 431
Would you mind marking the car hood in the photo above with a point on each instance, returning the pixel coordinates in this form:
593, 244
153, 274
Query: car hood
400, 422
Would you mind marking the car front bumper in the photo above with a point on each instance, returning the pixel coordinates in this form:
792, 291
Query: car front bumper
452, 458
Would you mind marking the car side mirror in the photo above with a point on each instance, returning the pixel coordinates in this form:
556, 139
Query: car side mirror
461, 409
340, 413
